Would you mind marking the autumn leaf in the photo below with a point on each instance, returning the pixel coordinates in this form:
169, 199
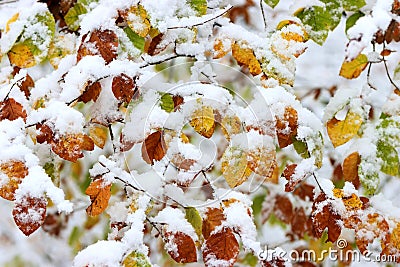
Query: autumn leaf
26, 84
352, 69
194, 218
286, 127
123, 88
222, 46
262, 160
325, 216
99, 192
245, 57
180, 247
203, 121
301, 224
288, 173
136, 259
21, 55
304, 191
213, 218
231, 125
154, 147
11, 110
340, 132
369, 229
16, 171
100, 42
350, 169
69, 146
234, 166
283, 208
99, 135
29, 213
138, 21
91, 92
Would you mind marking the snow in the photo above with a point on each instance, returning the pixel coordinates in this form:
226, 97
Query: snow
102, 253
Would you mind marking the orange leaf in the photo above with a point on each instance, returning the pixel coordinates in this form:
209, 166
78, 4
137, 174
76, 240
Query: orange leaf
101, 42
222, 246
29, 213
371, 228
300, 223
16, 172
26, 84
11, 110
69, 146
213, 218
91, 92
286, 127
99, 135
153, 148
288, 173
350, 169
123, 87
340, 132
99, 193
246, 57
181, 247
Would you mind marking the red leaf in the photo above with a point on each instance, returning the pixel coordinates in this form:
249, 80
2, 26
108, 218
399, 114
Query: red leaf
213, 218
11, 110
222, 246
283, 208
69, 146
181, 247
92, 92
29, 213
153, 148
304, 191
288, 173
286, 127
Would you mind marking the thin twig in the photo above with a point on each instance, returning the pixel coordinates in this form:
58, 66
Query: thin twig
126, 184
112, 138
156, 227
164, 60
316, 180
201, 23
12, 86
263, 14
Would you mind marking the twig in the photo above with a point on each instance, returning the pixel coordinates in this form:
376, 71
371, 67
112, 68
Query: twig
12, 86
156, 227
316, 180
179, 204
126, 184
263, 14
368, 76
388, 75
164, 60
201, 23
112, 138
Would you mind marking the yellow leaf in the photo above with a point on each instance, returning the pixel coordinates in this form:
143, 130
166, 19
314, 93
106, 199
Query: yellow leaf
221, 47
352, 202
395, 236
262, 161
234, 166
11, 20
138, 21
21, 55
98, 135
184, 138
246, 57
341, 132
203, 121
231, 125
59, 48
352, 69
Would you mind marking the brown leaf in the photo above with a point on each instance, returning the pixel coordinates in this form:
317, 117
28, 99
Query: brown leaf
154, 148
373, 227
222, 246
11, 110
283, 208
324, 216
299, 222
100, 42
69, 146
213, 218
178, 100
91, 92
286, 127
26, 84
392, 32
287, 173
16, 172
99, 193
304, 191
45, 133
181, 247
350, 169
123, 87
153, 45
29, 213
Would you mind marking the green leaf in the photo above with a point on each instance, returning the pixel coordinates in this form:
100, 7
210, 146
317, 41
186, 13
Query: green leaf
199, 5
353, 5
194, 218
257, 204
271, 3
136, 259
72, 16
389, 130
136, 40
250, 260
301, 148
319, 21
368, 174
351, 21
390, 158
396, 74
167, 102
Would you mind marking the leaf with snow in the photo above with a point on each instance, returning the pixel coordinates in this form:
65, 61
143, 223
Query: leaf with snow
15, 171
154, 147
180, 247
29, 213
70, 146
221, 249
99, 42
136, 259
234, 166
340, 132
286, 127
123, 88
271, 3
245, 57
203, 121
11, 110
390, 158
99, 135
99, 192
213, 218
